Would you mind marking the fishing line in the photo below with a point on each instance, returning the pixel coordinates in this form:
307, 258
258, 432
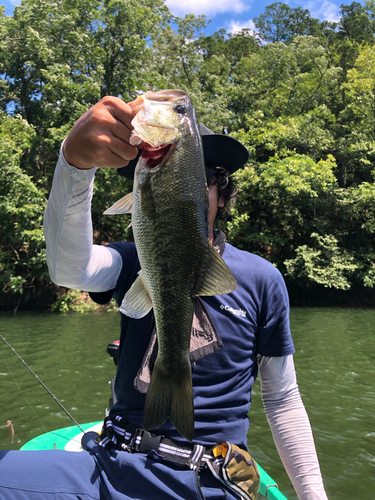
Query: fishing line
45, 387
21, 391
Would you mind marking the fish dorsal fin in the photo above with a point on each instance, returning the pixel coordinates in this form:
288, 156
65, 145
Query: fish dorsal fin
218, 278
122, 206
137, 302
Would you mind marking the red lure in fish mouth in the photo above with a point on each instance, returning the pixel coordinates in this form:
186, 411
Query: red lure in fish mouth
154, 155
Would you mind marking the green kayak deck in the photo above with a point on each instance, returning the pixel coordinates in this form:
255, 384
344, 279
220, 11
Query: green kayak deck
70, 440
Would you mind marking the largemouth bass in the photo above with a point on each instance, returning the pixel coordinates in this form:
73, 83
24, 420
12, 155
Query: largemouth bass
170, 225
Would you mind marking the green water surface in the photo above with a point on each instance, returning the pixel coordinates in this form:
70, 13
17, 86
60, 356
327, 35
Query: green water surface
335, 362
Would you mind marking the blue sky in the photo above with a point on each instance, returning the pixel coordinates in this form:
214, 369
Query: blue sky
235, 14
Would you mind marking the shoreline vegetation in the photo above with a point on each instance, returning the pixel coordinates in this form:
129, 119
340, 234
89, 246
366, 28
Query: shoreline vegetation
297, 91
62, 300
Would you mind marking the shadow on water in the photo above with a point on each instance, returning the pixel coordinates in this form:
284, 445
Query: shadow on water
335, 362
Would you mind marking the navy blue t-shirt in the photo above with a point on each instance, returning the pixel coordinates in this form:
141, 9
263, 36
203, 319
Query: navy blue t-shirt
254, 319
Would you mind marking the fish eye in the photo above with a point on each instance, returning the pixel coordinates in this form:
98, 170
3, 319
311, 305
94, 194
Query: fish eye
180, 108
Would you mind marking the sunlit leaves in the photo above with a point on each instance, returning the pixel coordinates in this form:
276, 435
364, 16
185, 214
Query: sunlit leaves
298, 93
22, 205
324, 263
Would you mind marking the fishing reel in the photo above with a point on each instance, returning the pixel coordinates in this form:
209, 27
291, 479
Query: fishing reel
113, 349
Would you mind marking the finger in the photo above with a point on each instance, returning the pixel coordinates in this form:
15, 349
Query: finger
122, 149
114, 161
108, 159
120, 110
119, 130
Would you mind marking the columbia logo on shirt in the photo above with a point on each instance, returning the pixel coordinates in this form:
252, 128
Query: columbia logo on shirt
236, 312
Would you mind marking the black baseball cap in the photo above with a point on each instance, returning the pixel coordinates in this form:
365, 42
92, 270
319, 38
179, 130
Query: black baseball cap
219, 150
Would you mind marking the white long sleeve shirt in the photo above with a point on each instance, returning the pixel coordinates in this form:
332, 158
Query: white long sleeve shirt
74, 262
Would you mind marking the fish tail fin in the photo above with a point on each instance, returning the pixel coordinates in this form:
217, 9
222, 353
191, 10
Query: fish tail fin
170, 396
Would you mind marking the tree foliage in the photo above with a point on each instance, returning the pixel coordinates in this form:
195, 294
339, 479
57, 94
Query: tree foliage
299, 93
281, 23
22, 204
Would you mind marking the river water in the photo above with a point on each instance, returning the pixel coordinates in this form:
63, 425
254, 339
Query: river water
335, 362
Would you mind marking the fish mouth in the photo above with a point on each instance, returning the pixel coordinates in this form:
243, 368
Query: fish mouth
153, 155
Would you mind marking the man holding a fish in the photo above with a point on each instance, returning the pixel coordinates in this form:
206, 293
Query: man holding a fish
199, 318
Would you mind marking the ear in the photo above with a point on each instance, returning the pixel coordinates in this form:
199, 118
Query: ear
221, 202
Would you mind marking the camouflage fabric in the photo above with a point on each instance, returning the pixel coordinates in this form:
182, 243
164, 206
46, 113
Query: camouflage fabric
236, 469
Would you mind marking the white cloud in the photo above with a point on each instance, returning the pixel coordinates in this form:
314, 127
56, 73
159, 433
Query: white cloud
235, 26
326, 11
209, 7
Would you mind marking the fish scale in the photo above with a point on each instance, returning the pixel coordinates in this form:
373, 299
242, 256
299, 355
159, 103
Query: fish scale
177, 234
170, 228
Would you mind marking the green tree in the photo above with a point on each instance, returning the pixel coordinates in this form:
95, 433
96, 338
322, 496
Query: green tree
282, 80
233, 46
176, 57
22, 256
57, 58
355, 24
281, 23
356, 150
60, 57
302, 104
324, 263
293, 213
354, 225
280, 204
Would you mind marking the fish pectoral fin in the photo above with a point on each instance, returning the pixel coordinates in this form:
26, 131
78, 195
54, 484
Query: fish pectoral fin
137, 302
170, 396
218, 278
122, 206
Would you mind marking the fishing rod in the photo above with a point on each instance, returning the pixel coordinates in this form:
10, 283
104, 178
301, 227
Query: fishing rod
45, 387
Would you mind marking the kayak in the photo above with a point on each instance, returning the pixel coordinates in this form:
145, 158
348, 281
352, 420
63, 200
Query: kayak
69, 439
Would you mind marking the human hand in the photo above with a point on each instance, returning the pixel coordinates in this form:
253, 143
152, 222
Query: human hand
100, 137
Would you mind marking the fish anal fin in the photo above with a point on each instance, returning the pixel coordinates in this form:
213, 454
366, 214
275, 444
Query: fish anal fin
137, 301
218, 278
122, 206
170, 397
